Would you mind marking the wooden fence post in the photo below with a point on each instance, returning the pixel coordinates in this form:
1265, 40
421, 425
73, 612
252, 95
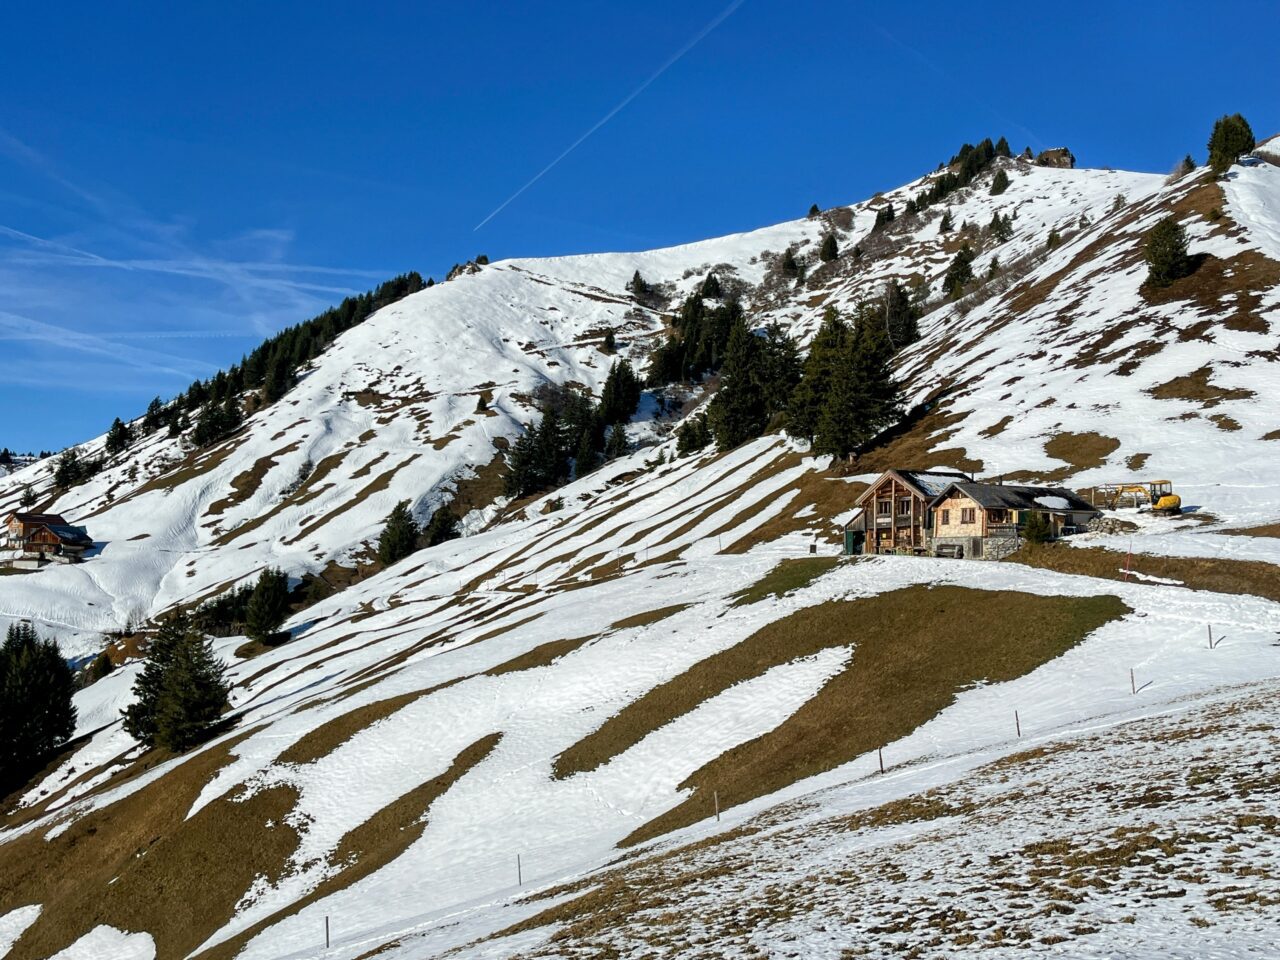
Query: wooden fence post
715, 796
326, 933
880, 754
1017, 723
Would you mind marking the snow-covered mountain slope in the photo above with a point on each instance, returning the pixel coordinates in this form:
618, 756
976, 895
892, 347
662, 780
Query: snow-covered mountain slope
390, 411
589, 681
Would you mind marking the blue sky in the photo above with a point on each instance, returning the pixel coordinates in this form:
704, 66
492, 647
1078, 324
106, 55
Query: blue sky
178, 180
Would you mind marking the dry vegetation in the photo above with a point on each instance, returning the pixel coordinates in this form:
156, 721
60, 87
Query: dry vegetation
913, 649
1218, 575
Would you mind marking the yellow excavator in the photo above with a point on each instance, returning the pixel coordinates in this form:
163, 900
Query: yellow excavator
1155, 495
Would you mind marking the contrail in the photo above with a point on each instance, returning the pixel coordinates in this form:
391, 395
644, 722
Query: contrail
721, 18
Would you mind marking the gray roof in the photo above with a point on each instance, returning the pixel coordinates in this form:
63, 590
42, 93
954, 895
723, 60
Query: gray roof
926, 483
932, 482
70, 534
1010, 497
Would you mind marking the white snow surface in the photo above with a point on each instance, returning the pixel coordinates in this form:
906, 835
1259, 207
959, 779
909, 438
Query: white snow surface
104, 942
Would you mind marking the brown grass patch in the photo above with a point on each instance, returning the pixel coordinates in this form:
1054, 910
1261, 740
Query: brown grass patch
922, 446
1221, 576
1229, 289
649, 616
1083, 451
1266, 530
542, 655
1223, 422
1196, 388
245, 484
141, 864
1137, 461
792, 574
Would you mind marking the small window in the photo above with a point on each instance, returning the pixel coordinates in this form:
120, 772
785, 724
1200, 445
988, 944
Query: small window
946, 518
967, 515
884, 508
997, 516
904, 507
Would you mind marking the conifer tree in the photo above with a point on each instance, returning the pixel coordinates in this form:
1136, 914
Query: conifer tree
829, 250
617, 445
862, 398
790, 267
399, 536
1231, 137
1037, 529
711, 287
28, 497
884, 216
37, 715
584, 460
693, 435
610, 344
900, 316
180, 691
959, 274
268, 605
638, 286
1054, 240
999, 183
818, 372
738, 411
947, 223
98, 668
1002, 147
814, 211
118, 437
442, 527
1165, 251
1187, 166
154, 418
621, 393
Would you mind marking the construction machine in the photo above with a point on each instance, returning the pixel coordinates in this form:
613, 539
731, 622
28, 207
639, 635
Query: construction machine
1154, 495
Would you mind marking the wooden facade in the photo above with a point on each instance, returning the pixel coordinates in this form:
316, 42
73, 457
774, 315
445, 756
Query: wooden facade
896, 517
45, 536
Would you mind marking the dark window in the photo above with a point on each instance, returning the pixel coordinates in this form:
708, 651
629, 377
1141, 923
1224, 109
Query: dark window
967, 515
884, 508
946, 518
904, 507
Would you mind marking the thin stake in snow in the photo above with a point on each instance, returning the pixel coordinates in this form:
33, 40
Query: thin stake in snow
1133, 684
519, 872
1214, 641
880, 754
715, 796
326, 933
1017, 723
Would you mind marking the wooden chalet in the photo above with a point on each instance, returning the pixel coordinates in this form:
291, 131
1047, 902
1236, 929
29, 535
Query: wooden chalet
984, 521
45, 536
895, 515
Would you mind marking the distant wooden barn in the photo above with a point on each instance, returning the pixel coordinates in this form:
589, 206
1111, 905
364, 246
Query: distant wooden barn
45, 536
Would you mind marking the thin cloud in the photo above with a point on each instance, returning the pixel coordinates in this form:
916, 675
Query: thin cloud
670, 61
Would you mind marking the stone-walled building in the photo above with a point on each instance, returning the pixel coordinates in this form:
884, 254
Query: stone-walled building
984, 521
